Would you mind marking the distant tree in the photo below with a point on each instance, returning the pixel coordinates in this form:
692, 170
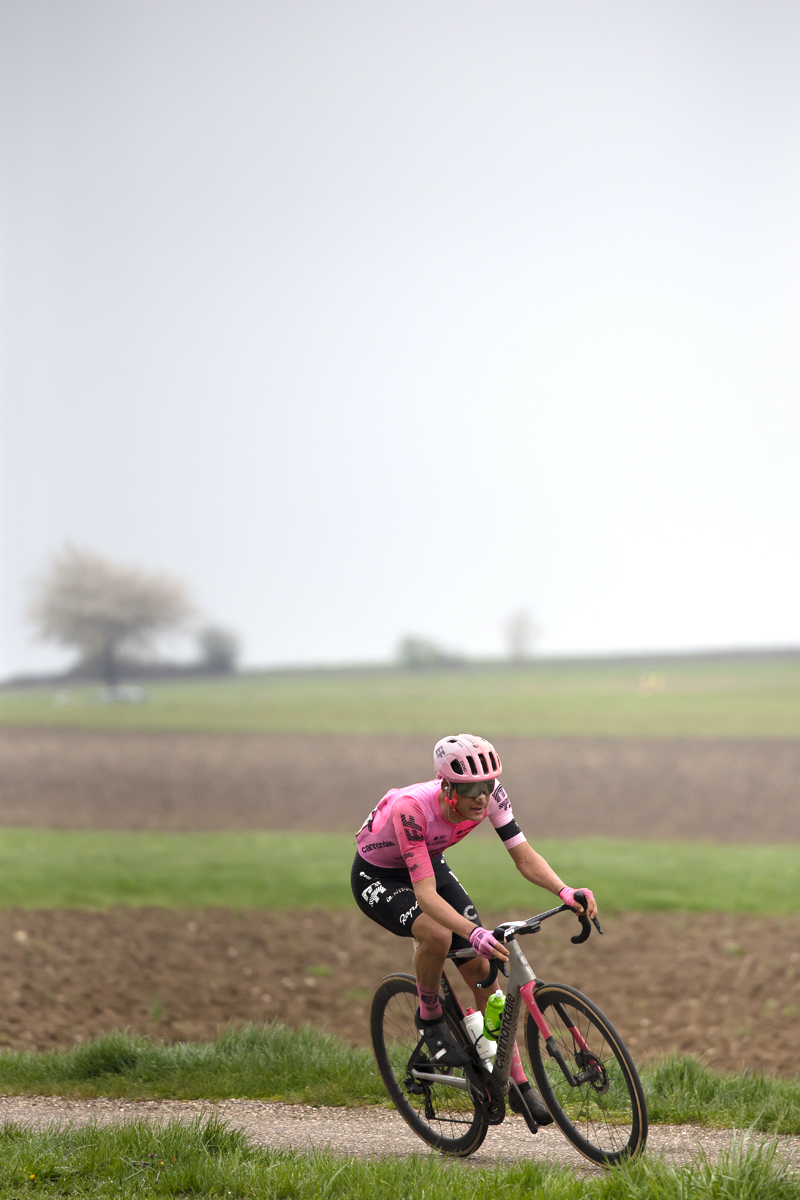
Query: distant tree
219, 649
520, 632
102, 608
415, 652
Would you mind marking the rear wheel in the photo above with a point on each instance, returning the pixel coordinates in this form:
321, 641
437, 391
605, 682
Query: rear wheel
604, 1113
443, 1116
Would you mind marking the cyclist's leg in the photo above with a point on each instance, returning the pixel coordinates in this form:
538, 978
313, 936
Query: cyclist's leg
430, 954
473, 970
388, 899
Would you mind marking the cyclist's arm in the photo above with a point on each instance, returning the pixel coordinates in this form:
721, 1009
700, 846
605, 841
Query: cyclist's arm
434, 906
537, 870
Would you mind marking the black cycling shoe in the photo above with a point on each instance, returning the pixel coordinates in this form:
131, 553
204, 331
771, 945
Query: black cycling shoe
527, 1095
440, 1043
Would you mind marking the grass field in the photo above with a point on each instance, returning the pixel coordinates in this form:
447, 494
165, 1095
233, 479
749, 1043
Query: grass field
726, 698
208, 1159
77, 869
308, 1067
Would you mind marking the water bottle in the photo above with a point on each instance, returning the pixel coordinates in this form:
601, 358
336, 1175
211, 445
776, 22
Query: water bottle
473, 1023
493, 1017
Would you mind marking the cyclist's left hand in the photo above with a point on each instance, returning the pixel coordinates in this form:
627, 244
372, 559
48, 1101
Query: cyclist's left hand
567, 894
486, 944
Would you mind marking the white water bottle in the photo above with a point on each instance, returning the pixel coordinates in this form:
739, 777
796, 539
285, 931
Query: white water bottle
473, 1023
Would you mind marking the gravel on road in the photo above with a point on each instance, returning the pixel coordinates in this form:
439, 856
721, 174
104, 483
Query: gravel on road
363, 1132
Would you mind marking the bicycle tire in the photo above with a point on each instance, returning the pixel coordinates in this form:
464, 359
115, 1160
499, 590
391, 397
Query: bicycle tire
446, 1119
605, 1117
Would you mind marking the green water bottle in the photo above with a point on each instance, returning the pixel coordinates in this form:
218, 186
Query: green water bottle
493, 1017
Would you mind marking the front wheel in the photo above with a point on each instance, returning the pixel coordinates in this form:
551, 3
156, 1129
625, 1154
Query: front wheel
602, 1111
443, 1115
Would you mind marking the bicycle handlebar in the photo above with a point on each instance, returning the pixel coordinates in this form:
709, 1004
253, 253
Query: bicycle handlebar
586, 927
533, 925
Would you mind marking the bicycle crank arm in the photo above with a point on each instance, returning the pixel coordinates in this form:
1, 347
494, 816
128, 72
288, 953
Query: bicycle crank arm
447, 1080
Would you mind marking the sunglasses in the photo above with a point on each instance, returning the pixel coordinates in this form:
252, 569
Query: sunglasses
471, 791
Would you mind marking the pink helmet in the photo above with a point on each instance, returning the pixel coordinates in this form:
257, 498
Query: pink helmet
465, 758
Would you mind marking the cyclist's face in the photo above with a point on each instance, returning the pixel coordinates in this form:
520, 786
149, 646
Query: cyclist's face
473, 798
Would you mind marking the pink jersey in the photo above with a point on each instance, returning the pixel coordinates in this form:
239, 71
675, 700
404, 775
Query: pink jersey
407, 827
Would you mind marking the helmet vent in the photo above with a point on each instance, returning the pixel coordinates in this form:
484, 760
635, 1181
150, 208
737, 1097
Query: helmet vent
456, 766
483, 764
472, 766
493, 761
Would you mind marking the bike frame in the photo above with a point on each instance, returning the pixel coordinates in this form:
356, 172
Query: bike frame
522, 983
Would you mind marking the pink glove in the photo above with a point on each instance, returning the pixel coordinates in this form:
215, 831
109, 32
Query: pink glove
483, 941
567, 895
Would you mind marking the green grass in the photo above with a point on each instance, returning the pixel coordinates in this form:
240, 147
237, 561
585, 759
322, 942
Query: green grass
270, 1063
209, 1159
681, 1091
727, 698
308, 1067
42, 868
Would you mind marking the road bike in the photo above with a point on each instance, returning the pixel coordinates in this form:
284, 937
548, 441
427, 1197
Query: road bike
581, 1067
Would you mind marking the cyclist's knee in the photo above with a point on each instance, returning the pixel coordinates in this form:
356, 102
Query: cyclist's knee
474, 969
431, 936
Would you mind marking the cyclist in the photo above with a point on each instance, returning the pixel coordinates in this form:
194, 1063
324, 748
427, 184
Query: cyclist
401, 881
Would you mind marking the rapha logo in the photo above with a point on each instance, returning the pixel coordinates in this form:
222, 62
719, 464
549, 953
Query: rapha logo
413, 831
406, 916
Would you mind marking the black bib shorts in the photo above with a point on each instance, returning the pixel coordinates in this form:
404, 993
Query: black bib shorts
386, 896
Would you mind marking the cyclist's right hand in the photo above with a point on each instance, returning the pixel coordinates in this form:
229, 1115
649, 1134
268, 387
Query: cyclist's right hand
486, 944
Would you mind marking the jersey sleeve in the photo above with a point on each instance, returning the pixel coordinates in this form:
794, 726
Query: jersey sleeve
501, 816
411, 831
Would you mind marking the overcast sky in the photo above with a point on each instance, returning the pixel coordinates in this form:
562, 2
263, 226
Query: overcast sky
371, 317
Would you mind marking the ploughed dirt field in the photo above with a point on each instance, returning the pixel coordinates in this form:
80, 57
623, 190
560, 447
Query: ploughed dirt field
721, 789
728, 990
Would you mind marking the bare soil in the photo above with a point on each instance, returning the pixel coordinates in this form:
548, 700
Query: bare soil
728, 990
722, 789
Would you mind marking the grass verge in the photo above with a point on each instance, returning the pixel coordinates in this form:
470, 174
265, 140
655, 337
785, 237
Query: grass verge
207, 1158
41, 868
745, 697
266, 1063
308, 1067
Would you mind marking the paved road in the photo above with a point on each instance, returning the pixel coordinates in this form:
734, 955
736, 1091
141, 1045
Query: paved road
357, 1131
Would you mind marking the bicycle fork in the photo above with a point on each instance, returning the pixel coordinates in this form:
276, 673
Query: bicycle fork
583, 1053
522, 983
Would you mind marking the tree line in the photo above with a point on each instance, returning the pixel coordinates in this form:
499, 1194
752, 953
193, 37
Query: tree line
111, 614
